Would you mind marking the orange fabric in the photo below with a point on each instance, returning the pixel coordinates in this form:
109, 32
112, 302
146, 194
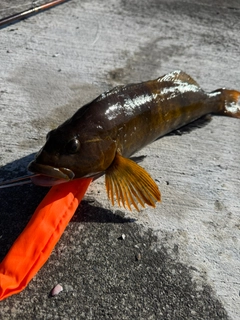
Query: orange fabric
34, 245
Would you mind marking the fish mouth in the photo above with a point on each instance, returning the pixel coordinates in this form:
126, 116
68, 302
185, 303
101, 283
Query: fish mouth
48, 176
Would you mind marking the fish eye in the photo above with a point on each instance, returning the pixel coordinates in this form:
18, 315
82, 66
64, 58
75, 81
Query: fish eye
73, 146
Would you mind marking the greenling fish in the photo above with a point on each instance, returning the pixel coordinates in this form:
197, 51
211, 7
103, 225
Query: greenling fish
102, 135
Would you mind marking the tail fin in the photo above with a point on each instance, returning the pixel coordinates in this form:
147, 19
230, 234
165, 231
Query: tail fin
231, 103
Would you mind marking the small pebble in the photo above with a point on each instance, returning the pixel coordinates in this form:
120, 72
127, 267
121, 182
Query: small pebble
56, 290
138, 256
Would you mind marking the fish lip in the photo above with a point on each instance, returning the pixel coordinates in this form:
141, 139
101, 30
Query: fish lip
50, 171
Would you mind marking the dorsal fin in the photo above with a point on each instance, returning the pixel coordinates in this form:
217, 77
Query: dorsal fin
178, 75
130, 184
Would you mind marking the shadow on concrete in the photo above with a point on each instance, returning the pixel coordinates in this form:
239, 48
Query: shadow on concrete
16, 168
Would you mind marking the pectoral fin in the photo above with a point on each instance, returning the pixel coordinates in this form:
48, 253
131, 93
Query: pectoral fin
130, 184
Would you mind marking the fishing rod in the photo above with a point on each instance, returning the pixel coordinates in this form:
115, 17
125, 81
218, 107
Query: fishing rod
30, 179
17, 181
25, 14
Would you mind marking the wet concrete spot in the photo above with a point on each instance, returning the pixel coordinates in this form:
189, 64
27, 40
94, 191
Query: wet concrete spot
193, 12
81, 94
144, 9
152, 55
180, 9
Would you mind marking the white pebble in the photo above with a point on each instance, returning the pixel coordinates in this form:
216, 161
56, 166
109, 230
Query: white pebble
56, 290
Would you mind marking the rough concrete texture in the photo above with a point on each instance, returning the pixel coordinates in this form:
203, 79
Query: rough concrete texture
178, 261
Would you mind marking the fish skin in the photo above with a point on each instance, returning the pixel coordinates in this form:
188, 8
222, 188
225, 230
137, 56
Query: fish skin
122, 121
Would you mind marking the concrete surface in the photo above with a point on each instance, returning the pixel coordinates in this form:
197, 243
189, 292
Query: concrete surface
179, 261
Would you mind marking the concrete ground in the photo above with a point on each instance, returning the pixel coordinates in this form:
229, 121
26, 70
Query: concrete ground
178, 261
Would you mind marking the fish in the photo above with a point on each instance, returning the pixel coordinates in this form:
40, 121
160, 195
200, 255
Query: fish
103, 135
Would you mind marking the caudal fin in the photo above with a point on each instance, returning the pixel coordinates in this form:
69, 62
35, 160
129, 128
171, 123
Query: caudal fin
231, 103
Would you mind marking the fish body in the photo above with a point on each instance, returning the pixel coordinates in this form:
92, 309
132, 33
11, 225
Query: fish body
102, 135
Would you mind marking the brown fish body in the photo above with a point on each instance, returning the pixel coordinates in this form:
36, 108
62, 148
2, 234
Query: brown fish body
138, 114
101, 135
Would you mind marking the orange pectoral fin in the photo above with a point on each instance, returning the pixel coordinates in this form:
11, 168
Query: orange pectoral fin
130, 184
35, 244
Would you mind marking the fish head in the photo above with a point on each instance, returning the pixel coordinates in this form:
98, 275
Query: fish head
72, 152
